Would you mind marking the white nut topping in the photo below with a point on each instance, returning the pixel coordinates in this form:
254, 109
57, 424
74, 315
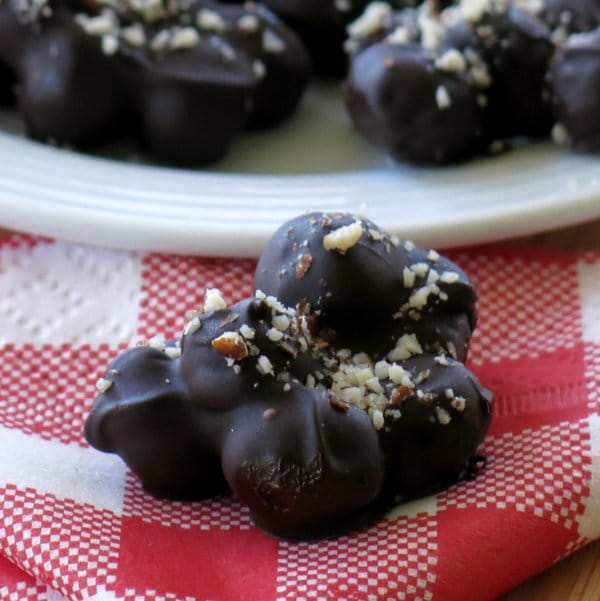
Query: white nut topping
382, 369
184, 39
406, 346
271, 42
344, 237
418, 299
281, 322
409, 277
559, 133
378, 419
398, 375
247, 332
110, 44
248, 23
157, 343
134, 35
192, 326
210, 20
442, 416
100, 25
102, 384
449, 277
442, 98
173, 352
420, 269
472, 10
372, 19
274, 335
452, 61
213, 300
264, 366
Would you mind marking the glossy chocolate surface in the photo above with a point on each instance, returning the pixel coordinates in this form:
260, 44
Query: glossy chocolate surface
6, 85
186, 82
517, 49
437, 86
400, 102
321, 24
573, 15
575, 81
319, 408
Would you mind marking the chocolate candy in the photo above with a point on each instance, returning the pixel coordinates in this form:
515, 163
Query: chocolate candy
322, 26
408, 288
566, 16
318, 409
185, 77
406, 93
437, 86
517, 49
575, 81
399, 101
6, 85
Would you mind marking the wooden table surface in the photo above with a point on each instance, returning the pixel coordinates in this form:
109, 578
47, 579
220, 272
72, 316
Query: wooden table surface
576, 578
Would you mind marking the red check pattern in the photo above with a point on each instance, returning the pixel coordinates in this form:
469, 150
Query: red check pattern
75, 524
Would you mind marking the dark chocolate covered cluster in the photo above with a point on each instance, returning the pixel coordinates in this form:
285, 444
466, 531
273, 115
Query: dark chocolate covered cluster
440, 84
322, 26
334, 392
575, 79
184, 76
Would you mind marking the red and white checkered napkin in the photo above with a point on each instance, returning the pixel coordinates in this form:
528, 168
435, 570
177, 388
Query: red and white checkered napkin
75, 523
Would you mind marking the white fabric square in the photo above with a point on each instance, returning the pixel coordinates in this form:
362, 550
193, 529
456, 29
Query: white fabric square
58, 293
412, 509
81, 474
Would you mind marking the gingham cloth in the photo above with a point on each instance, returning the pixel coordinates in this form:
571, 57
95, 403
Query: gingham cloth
74, 522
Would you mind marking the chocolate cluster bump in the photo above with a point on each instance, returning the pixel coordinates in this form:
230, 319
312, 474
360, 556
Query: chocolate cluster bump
335, 392
441, 83
185, 77
438, 86
321, 24
575, 79
6, 85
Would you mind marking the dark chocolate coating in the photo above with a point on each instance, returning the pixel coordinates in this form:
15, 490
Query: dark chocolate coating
391, 93
575, 15
301, 472
441, 457
7, 83
403, 96
145, 418
517, 49
186, 103
257, 399
66, 87
358, 293
206, 373
321, 24
575, 81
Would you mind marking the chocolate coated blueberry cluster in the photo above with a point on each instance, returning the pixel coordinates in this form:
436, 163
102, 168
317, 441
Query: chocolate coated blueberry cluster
334, 392
185, 76
437, 85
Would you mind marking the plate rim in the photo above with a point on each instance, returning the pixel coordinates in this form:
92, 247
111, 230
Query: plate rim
103, 228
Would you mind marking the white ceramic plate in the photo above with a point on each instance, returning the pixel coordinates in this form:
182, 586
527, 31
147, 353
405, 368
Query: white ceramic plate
314, 162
